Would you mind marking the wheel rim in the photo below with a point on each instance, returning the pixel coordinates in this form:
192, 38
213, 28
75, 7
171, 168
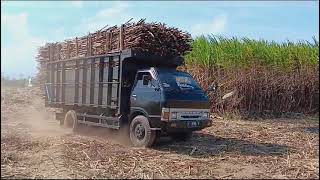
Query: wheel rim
139, 131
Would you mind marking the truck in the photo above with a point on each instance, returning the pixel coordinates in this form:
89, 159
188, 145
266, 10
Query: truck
128, 89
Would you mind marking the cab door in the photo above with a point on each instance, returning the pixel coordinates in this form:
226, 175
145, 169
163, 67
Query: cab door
146, 94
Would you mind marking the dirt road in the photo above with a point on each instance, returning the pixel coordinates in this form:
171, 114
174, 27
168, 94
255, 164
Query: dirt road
33, 145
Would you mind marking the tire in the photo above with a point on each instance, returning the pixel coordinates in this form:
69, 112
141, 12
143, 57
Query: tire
140, 133
70, 120
185, 136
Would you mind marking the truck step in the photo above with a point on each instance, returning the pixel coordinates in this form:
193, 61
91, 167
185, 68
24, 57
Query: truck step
109, 122
100, 124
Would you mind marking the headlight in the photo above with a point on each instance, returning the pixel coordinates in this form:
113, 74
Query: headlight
174, 115
165, 114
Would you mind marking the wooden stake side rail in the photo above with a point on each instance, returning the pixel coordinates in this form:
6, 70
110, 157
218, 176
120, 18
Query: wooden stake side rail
116, 53
51, 48
91, 81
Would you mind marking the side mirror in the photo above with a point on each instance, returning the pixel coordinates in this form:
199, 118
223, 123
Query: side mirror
213, 87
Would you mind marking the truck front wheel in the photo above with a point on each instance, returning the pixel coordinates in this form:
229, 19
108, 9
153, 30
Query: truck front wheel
140, 133
70, 120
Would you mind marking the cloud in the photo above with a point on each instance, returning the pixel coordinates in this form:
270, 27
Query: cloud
59, 30
262, 3
19, 46
19, 51
115, 14
216, 26
78, 4
117, 9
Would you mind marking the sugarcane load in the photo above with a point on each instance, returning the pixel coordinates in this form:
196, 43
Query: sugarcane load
149, 37
125, 78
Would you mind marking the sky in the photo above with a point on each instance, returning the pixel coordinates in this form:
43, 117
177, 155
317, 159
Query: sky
27, 25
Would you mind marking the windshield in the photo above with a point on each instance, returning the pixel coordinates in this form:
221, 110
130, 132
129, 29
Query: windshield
171, 79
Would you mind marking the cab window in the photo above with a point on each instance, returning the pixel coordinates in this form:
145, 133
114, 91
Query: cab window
145, 79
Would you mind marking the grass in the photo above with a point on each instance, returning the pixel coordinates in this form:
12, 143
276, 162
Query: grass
240, 53
267, 77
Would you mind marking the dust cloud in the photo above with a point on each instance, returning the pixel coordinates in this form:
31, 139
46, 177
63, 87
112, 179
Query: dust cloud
40, 122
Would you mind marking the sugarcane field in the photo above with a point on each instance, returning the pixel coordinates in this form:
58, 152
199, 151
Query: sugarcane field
159, 90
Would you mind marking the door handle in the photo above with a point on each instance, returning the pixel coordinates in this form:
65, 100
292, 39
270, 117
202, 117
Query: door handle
133, 95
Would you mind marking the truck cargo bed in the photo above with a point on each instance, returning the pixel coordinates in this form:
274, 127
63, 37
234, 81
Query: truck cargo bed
95, 81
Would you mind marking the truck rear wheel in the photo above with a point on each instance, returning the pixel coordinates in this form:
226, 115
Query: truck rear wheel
141, 134
185, 136
70, 120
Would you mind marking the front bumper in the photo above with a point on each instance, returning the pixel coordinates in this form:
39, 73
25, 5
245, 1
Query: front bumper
187, 125
181, 119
